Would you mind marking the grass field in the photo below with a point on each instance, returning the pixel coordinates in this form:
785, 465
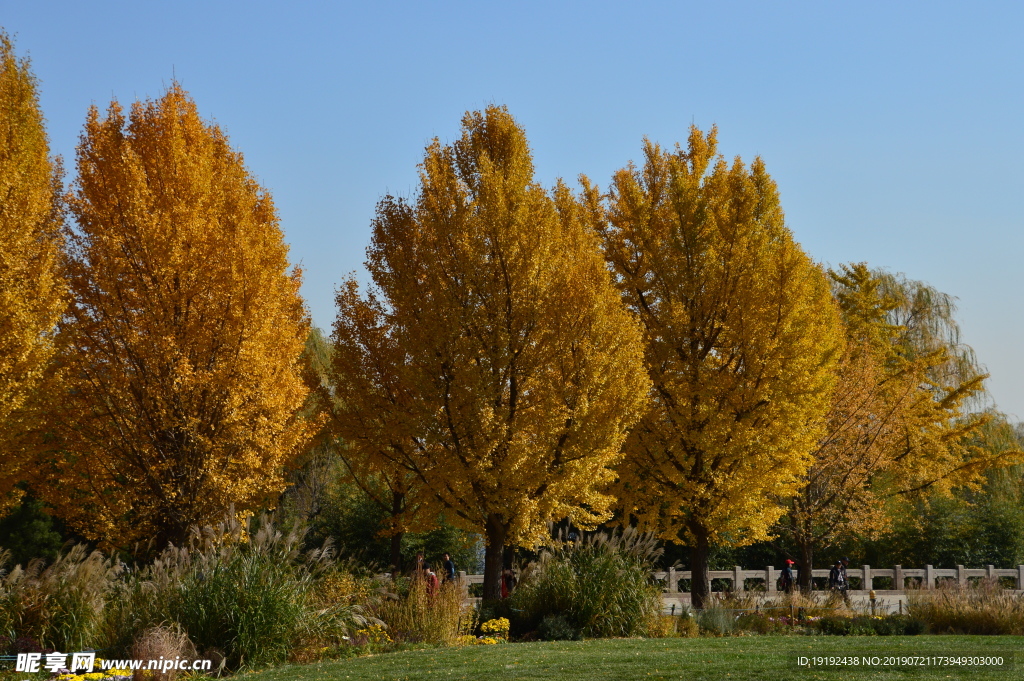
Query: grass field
738, 658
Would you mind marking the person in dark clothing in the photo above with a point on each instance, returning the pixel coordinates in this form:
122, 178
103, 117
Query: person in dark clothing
786, 580
838, 582
835, 576
449, 568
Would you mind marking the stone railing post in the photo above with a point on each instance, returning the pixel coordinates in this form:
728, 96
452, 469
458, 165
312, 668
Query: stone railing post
929, 577
897, 578
1020, 578
770, 579
866, 583
672, 582
991, 570
737, 579
961, 575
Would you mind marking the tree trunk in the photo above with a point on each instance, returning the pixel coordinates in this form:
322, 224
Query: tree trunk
397, 506
396, 553
494, 557
700, 581
806, 554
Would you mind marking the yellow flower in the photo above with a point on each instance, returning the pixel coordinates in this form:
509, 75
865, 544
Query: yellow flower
500, 625
374, 634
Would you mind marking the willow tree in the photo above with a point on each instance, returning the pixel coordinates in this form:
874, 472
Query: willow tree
181, 380
515, 370
901, 419
741, 334
32, 291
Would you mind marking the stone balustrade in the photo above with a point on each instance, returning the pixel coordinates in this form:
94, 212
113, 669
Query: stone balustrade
896, 578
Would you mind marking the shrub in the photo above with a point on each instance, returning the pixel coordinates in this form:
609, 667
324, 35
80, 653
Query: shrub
716, 621
982, 609
166, 643
601, 586
899, 625
413, 614
865, 625
663, 626
242, 591
557, 628
28, 532
838, 626
688, 626
254, 595
60, 605
763, 623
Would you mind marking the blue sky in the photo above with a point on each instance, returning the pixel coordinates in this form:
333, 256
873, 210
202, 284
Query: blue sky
894, 130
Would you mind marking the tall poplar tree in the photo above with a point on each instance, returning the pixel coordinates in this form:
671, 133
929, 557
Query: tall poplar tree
741, 334
180, 379
498, 344
32, 290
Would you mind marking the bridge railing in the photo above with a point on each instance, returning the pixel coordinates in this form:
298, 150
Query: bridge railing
899, 578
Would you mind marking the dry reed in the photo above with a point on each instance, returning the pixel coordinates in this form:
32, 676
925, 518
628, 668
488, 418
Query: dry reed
986, 608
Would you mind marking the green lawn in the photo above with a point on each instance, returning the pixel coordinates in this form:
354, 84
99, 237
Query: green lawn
752, 657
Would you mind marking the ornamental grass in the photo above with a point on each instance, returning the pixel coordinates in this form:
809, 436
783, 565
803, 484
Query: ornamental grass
57, 606
243, 594
985, 608
414, 613
600, 586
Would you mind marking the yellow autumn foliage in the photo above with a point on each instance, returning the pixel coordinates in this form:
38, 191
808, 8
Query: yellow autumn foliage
498, 353
32, 290
900, 420
742, 335
372, 411
179, 380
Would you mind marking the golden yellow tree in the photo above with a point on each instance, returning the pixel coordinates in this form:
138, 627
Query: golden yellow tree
32, 290
742, 335
373, 414
514, 369
900, 419
180, 376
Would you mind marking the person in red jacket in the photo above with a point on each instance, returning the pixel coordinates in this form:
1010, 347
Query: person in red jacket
508, 583
433, 584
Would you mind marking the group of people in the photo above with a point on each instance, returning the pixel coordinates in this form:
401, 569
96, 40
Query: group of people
424, 570
838, 581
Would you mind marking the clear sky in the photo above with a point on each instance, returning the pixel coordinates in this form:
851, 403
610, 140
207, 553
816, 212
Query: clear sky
894, 129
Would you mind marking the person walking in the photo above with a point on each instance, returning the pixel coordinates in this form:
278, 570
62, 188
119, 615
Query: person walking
449, 568
786, 580
838, 582
835, 576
